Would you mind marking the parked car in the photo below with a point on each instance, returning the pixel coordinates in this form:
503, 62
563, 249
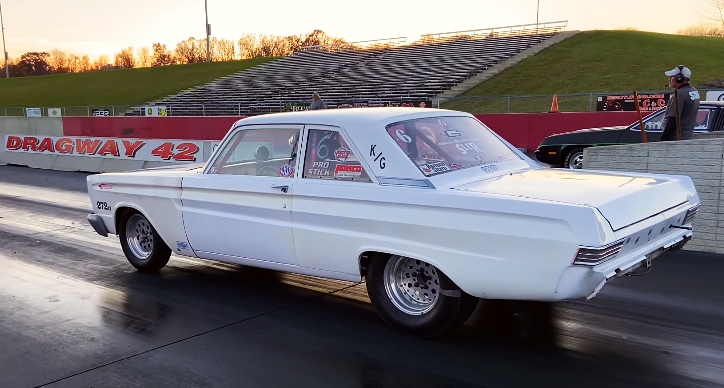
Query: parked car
566, 149
430, 207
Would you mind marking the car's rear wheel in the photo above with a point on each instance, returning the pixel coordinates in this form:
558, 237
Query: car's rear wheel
416, 297
574, 159
141, 244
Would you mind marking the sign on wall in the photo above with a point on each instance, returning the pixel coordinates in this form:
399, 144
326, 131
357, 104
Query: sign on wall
625, 102
55, 112
715, 95
155, 111
101, 112
33, 112
154, 150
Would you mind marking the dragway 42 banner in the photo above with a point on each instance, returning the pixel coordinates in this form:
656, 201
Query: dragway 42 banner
129, 149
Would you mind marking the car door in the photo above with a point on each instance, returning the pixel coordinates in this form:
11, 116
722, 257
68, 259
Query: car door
240, 205
332, 202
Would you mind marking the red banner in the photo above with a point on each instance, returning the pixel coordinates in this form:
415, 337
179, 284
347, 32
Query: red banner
129, 149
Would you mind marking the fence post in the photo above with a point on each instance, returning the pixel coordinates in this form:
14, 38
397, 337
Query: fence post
509, 103
590, 102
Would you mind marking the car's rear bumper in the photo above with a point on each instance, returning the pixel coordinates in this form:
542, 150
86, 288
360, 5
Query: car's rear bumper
97, 223
584, 282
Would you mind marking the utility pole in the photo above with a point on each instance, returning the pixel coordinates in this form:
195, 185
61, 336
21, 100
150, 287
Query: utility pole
5, 51
537, 12
208, 31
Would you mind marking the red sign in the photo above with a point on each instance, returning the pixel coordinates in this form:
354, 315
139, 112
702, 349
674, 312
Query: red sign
133, 149
348, 171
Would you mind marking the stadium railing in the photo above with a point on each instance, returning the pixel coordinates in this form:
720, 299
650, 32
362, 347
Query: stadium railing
576, 102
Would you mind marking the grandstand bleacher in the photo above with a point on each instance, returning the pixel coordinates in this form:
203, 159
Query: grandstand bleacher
381, 74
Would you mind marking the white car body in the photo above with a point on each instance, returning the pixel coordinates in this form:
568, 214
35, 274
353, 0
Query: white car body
509, 229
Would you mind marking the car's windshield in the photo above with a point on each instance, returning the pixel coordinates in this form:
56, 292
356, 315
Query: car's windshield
439, 145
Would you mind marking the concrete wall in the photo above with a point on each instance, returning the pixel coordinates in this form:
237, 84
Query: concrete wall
700, 158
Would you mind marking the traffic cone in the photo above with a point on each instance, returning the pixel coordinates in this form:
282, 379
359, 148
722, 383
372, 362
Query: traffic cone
554, 105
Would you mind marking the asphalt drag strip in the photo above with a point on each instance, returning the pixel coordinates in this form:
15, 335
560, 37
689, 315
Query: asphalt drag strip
74, 313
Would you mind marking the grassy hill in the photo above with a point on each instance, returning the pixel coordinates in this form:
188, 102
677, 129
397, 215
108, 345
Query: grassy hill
114, 87
603, 61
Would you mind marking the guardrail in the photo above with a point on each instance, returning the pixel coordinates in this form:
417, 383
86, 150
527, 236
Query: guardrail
521, 29
536, 103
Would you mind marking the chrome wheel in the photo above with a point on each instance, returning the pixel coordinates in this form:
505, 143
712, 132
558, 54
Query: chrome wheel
413, 286
576, 161
139, 236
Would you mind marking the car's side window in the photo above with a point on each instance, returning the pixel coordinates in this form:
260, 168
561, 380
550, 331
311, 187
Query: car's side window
328, 156
259, 152
655, 123
703, 119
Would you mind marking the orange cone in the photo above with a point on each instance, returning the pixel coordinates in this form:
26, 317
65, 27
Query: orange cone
554, 105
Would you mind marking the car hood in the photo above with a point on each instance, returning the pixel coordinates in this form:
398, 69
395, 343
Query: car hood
603, 135
622, 199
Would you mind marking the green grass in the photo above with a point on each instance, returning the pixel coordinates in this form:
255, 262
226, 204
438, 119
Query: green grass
114, 87
606, 61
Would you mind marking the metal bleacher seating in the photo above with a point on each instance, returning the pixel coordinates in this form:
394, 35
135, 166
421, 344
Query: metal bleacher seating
375, 75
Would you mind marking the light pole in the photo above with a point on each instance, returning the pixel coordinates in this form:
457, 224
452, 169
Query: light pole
208, 31
537, 12
5, 51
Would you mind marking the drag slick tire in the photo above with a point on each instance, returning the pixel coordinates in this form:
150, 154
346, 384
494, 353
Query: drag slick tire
141, 244
415, 297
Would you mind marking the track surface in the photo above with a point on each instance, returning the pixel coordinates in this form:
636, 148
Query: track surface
74, 313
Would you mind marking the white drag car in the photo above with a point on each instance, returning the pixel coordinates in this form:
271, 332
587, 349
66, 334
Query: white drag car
430, 207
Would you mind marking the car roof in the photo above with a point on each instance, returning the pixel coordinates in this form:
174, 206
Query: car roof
717, 103
341, 116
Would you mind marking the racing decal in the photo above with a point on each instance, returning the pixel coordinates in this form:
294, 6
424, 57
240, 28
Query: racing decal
438, 166
136, 149
182, 245
102, 205
491, 168
441, 123
403, 136
319, 169
342, 154
286, 171
456, 166
469, 146
452, 133
378, 156
105, 186
348, 171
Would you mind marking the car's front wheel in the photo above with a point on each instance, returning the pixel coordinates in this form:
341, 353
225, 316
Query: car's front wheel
416, 297
141, 244
574, 159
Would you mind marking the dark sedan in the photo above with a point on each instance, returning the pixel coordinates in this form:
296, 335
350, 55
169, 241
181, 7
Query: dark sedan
566, 149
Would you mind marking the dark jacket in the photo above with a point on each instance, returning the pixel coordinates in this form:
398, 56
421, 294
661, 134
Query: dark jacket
688, 111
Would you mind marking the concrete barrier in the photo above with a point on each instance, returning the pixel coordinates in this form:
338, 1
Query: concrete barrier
700, 158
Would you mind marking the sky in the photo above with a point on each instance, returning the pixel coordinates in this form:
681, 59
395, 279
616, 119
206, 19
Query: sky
86, 27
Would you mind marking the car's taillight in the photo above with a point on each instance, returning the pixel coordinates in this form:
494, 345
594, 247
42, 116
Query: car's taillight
597, 255
691, 213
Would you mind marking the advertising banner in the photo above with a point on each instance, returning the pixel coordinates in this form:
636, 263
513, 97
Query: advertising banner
128, 149
625, 102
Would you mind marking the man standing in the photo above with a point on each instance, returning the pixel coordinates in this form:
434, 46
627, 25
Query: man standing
317, 102
679, 78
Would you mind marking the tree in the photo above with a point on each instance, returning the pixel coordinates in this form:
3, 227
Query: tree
144, 57
34, 63
715, 12
101, 63
703, 30
224, 50
125, 59
161, 55
74, 64
85, 64
190, 51
59, 61
247, 46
